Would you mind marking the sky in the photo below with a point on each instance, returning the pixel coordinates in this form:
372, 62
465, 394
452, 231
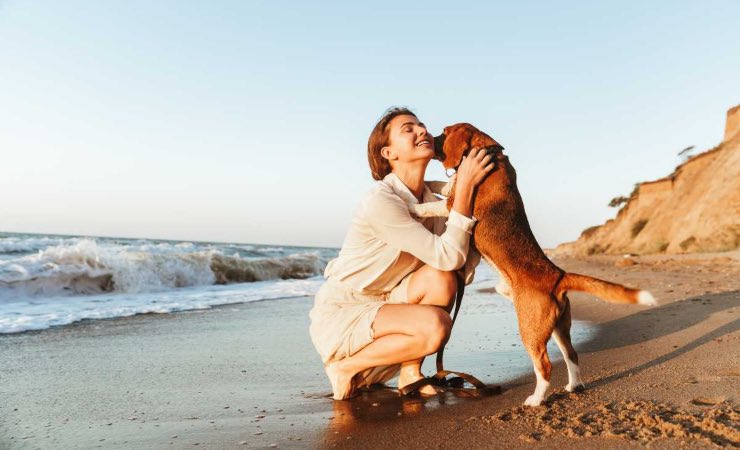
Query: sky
244, 121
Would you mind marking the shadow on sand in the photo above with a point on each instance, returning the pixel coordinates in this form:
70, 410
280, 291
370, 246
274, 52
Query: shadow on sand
657, 322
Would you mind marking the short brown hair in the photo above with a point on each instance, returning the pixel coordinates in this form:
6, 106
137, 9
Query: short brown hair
380, 166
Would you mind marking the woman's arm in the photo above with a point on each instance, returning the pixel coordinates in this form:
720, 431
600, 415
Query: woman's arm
470, 174
390, 221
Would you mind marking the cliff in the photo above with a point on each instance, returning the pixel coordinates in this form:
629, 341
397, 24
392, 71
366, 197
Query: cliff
732, 126
694, 209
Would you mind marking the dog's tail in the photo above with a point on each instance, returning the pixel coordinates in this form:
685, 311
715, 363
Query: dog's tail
611, 292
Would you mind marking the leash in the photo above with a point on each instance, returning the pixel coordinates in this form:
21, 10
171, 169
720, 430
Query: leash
441, 372
440, 378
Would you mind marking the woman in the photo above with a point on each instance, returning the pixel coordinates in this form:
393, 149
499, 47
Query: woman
385, 304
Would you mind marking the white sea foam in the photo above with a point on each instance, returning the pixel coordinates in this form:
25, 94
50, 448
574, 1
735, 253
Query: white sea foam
271, 249
47, 281
86, 267
14, 245
24, 314
40, 313
52, 280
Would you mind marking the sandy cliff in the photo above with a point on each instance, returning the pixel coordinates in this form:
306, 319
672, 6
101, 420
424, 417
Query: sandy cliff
694, 209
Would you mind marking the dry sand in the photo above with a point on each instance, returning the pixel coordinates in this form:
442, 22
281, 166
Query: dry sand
246, 376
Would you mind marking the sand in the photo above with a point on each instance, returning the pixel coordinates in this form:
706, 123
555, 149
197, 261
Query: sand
243, 376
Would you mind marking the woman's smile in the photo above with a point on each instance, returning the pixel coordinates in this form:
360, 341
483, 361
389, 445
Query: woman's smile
426, 141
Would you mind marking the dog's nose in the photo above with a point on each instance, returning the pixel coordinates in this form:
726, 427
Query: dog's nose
439, 142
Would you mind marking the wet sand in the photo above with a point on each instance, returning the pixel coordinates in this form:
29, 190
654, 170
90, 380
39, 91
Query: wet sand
247, 376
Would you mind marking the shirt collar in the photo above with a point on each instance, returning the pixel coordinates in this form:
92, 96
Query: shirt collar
403, 191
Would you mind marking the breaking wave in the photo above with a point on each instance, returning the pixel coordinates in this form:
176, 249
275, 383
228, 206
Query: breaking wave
82, 266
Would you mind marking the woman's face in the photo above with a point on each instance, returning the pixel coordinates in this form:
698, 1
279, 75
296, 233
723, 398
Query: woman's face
408, 141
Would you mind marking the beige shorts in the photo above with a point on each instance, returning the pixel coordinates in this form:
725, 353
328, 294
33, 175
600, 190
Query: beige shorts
342, 323
400, 293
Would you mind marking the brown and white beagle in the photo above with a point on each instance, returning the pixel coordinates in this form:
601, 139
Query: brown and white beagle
537, 287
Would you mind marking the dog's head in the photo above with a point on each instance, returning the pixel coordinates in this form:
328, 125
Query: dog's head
457, 140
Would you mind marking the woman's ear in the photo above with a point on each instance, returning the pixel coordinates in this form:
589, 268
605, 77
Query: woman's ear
386, 153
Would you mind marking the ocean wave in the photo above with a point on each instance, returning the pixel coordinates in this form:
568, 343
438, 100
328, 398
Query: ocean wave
84, 267
14, 245
229, 269
38, 314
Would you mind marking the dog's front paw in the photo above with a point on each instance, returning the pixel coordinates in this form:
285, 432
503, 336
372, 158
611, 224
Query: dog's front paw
534, 400
429, 209
580, 387
415, 210
447, 189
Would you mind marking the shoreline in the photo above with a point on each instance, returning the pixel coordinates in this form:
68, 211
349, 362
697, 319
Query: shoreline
201, 376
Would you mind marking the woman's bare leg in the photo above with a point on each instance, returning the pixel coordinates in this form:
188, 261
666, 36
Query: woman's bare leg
427, 286
402, 333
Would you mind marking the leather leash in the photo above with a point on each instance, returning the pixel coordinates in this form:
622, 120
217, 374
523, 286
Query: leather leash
441, 372
439, 379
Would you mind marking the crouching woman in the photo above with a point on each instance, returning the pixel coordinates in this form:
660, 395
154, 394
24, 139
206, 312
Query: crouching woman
385, 304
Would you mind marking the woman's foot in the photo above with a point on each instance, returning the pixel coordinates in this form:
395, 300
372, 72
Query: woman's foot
341, 380
407, 378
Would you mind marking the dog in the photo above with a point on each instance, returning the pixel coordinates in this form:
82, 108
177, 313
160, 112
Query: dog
537, 287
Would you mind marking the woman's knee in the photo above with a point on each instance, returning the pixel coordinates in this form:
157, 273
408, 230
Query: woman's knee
430, 286
441, 286
434, 329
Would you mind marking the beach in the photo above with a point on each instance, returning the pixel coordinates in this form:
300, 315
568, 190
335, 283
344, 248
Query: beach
246, 375
182, 180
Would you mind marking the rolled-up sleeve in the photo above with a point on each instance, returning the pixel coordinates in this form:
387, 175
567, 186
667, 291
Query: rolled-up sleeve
390, 220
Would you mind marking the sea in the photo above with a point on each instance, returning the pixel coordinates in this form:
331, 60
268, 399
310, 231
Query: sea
55, 280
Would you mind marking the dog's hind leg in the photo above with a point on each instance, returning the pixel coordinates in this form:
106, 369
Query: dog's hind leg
535, 330
542, 369
562, 338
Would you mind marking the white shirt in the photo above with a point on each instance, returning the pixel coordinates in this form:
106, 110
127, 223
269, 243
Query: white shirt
385, 243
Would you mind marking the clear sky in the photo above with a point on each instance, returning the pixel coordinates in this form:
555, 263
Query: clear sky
248, 121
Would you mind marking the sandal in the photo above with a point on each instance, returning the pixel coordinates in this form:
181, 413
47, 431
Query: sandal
412, 389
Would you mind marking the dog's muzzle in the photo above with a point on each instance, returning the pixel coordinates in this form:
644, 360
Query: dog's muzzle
439, 143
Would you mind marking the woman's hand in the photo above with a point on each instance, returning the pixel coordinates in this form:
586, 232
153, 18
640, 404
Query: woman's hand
473, 169
470, 173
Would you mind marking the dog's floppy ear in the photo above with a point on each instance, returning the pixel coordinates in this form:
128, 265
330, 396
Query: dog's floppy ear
456, 144
482, 140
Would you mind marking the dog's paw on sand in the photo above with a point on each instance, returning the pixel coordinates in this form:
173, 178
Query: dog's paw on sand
534, 400
639, 421
579, 387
